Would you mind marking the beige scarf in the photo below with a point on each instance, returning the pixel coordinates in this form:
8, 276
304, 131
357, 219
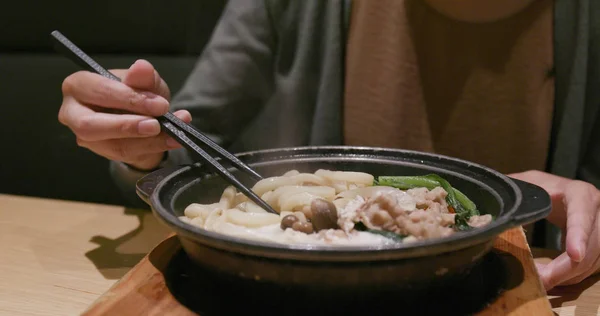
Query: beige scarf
419, 80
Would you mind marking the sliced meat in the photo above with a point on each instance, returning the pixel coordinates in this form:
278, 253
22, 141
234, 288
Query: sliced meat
429, 219
480, 220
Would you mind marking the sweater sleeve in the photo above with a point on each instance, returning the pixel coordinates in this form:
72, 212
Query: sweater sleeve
229, 84
233, 78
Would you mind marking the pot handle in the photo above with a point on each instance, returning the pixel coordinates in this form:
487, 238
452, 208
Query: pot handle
536, 203
145, 186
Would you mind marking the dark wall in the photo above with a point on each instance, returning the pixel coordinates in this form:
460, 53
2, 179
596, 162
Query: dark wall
39, 155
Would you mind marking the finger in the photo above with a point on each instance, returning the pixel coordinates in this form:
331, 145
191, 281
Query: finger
129, 150
187, 118
119, 73
142, 75
584, 272
560, 269
591, 264
581, 276
582, 201
93, 126
93, 89
183, 115
539, 266
70, 109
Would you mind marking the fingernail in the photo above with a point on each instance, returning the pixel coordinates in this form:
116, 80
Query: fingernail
149, 127
171, 143
135, 62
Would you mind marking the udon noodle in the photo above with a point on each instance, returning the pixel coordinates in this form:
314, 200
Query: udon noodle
340, 208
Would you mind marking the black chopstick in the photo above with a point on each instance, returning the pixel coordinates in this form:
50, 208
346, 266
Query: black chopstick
181, 137
212, 145
172, 125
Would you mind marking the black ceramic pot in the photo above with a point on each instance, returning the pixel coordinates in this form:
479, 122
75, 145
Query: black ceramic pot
413, 265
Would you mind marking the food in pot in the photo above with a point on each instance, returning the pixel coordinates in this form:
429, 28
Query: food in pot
341, 208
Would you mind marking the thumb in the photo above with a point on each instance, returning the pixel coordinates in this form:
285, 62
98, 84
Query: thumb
540, 266
142, 75
559, 270
582, 208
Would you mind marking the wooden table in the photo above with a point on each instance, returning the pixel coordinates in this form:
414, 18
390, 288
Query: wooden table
57, 257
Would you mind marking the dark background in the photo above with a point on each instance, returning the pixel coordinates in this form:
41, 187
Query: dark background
39, 155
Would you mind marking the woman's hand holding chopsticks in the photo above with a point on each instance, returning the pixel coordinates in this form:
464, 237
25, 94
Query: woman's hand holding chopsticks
117, 119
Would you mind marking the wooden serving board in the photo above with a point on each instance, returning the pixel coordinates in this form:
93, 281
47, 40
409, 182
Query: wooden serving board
145, 290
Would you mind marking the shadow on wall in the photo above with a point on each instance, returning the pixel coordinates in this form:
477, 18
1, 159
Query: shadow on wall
40, 156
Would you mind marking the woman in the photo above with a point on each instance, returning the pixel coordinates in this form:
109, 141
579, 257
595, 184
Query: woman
488, 81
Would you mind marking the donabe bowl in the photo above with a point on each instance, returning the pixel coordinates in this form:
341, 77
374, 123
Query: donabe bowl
413, 265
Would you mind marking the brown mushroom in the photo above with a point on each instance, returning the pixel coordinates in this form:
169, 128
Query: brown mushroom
293, 222
288, 221
324, 214
304, 227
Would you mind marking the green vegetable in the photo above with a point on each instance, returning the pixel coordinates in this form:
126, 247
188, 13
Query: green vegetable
462, 205
391, 235
410, 182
